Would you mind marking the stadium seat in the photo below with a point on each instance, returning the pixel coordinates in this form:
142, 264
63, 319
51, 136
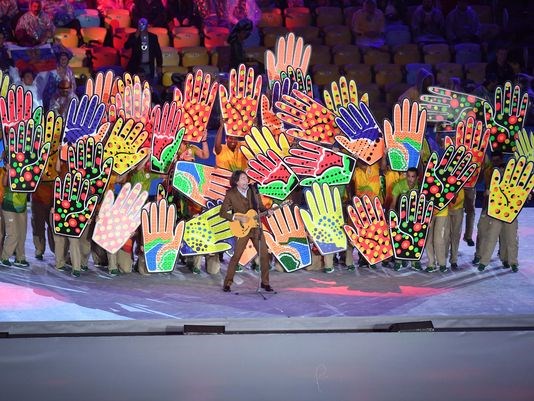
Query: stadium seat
467, 53
373, 91
346, 54
388, 74
376, 56
446, 71
436, 53
272, 17
193, 56
255, 53
168, 72
412, 70
297, 17
94, 35
67, 36
170, 56
104, 56
393, 92
207, 69
215, 37
162, 34
475, 72
320, 55
348, 13
337, 35
397, 34
310, 34
325, 74
187, 36
361, 73
89, 18
406, 54
380, 110
81, 72
329, 16
271, 35
118, 18
124, 57
120, 36
78, 57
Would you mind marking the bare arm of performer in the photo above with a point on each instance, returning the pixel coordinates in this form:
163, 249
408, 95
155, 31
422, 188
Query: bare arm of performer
218, 140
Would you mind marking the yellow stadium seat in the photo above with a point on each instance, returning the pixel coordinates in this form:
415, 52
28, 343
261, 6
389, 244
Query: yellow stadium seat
104, 56
271, 17
325, 74
118, 18
255, 53
162, 34
271, 35
476, 72
67, 36
81, 72
393, 92
78, 57
94, 35
346, 54
187, 36
387, 74
436, 53
320, 55
310, 34
337, 35
446, 71
215, 37
329, 16
376, 56
361, 73
348, 13
193, 56
120, 36
170, 56
166, 80
297, 17
406, 54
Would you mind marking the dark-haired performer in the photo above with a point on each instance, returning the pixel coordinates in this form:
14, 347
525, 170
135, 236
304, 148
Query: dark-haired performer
240, 198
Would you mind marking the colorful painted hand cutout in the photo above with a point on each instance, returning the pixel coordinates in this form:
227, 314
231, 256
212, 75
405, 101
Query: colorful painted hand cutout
509, 193
475, 140
342, 95
507, 117
16, 107
166, 137
409, 227
312, 120
444, 180
86, 159
201, 183
206, 234
525, 145
161, 240
261, 141
83, 118
73, 207
404, 139
196, 104
315, 163
268, 113
450, 107
125, 145
289, 240
119, 218
290, 52
5, 83
370, 234
239, 109
324, 221
105, 87
303, 81
276, 179
53, 127
365, 139
135, 103
27, 154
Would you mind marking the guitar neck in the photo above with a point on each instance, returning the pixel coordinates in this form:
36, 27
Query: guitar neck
275, 207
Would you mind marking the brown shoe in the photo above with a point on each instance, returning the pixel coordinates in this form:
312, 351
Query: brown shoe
226, 288
267, 287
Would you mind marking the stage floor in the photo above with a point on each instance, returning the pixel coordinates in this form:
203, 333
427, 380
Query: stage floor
42, 294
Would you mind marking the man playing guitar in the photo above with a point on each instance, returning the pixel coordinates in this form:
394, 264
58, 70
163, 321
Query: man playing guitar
239, 199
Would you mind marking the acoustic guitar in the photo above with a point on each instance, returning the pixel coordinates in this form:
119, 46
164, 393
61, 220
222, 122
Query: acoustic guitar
240, 230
